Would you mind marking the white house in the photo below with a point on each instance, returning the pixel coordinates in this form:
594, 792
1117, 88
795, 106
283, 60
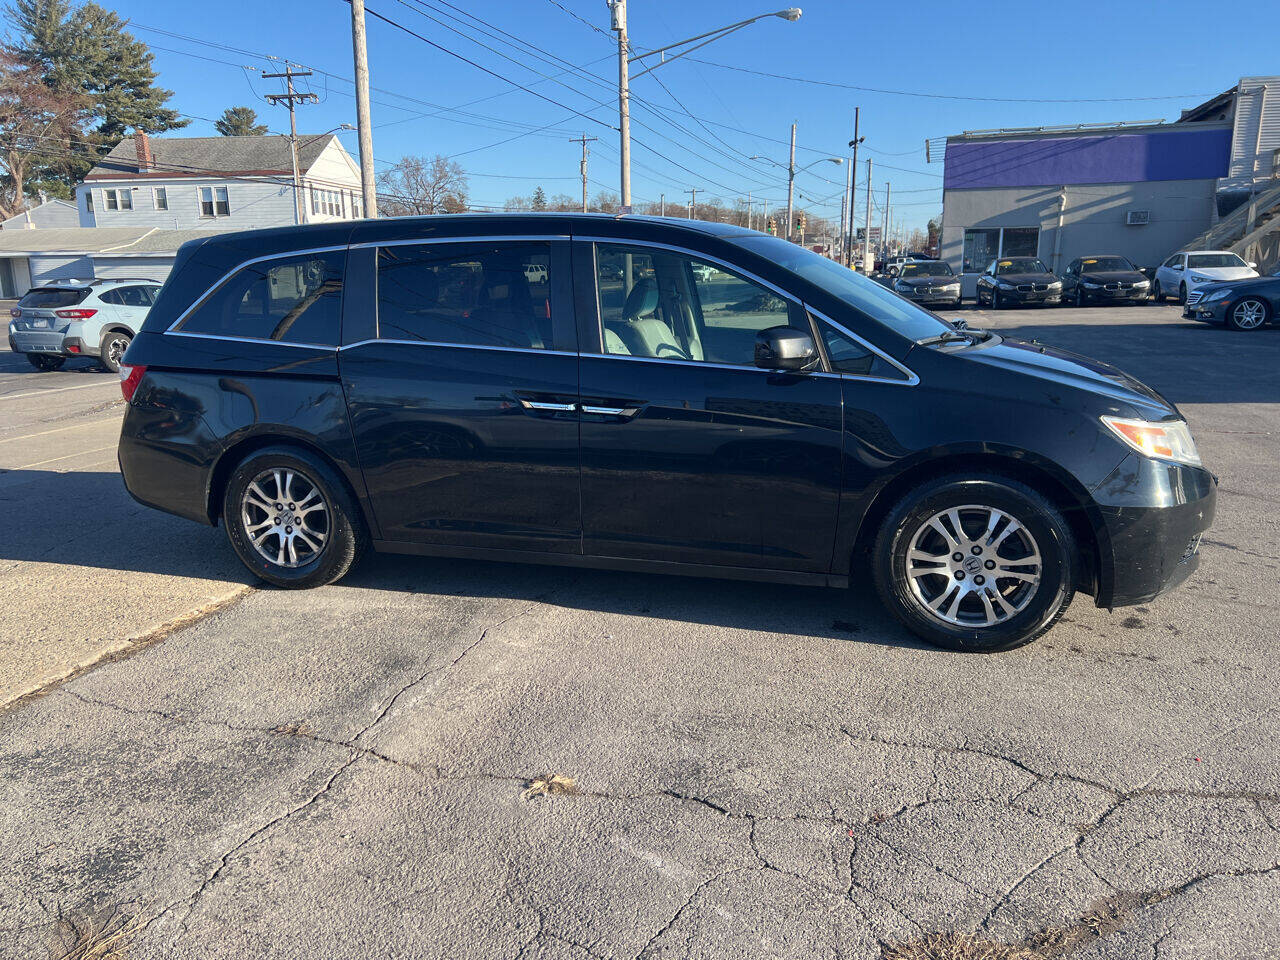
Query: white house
225, 183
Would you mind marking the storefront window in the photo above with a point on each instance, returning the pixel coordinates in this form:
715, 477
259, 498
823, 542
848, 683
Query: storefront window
1020, 242
980, 248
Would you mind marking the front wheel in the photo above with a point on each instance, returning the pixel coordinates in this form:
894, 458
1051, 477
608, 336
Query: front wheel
1249, 314
111, 350
291, 520
1156, 293
1182, 293
1079, 301
975, 563
996, 302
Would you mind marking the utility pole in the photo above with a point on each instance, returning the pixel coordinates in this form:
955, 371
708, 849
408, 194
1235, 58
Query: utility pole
853, 181
791, 180
662, 204
584, 140
693, 201
363, 121
290, 98
748, 209
867, 262
619, 10
846, 216
884, 221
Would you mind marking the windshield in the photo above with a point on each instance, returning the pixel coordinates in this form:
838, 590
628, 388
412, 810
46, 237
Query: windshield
50, 298
1020, 265
1105, 264
871, 298
1205, 260
929, 268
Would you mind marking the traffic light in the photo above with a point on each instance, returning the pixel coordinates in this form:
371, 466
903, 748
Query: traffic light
773, 224
800, 221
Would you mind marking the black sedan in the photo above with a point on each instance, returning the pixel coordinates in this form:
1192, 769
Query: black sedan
1240, 304
929, 282
1018, 280
1104, 279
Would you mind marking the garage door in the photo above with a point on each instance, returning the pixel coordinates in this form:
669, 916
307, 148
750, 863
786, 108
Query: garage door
44, 269
132, 268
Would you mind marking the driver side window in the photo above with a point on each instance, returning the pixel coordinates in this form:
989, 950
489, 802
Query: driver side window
670, 306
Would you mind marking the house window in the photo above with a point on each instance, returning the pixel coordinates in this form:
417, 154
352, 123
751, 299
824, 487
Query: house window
111, 197
315, 200
214, 202
88, 201
126, 199
160, 198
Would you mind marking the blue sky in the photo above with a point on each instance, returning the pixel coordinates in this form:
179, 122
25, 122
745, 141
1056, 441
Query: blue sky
428, 102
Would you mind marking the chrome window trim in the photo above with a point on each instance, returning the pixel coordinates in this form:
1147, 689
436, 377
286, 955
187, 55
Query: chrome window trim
460, 346
286, 255
278, 343
912, 379
487, 238
716, 366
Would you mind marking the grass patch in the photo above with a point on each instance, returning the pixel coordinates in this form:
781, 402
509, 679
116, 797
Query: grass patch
550, 785
104, 936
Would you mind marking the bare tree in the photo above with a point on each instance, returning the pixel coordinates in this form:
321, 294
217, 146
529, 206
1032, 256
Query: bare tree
417, 186
37, 125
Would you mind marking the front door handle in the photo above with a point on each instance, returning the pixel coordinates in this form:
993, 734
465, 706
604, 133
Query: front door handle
611, 411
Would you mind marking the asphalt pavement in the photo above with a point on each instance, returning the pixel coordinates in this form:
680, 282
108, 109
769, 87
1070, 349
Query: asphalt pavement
763, 771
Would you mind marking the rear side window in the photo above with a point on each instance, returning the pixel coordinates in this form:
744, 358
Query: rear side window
483, 295
293, 299
50, 298
134, 296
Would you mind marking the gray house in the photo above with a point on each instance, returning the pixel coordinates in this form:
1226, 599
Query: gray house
228, 183
46, 214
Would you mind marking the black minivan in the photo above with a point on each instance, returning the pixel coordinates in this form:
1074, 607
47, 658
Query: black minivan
647, 394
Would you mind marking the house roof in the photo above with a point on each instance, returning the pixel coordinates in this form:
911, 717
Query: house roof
197, 156
106, 241
19, 219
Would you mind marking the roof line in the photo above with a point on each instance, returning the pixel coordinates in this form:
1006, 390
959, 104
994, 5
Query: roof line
121, 246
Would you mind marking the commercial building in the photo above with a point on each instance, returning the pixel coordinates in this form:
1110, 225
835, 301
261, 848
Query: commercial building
1143, 190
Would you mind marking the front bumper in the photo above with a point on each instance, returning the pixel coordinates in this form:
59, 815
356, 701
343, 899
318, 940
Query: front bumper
1213, 312
951, 298
1032, 296
1153, 515
1135, 295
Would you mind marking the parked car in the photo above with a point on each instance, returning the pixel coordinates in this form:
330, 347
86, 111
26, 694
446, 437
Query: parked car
1104, 279
1017, 280
78, 318
536, 272
928, 281
315, 390
1184, 272
703, 271
1247, 304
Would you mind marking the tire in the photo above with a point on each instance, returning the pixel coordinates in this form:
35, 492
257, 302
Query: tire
1080, 300
339, 532
1182, 293
45, 362
996, 304
1156, 293
1027, 609
1249, 314
112, 347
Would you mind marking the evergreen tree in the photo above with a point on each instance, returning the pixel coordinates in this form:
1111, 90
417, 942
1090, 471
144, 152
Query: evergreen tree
239, 122
539, 201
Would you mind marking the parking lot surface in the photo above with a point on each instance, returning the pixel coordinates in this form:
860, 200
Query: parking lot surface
759, 770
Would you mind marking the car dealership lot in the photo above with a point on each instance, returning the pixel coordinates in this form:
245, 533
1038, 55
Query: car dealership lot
763, 770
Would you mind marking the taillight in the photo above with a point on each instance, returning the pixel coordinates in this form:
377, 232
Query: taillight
130, 377
73, 348
77, 314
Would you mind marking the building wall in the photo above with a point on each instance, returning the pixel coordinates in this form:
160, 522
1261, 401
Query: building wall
52, 213
333, 170
151, 268
59, 266
1093, 219
253, 204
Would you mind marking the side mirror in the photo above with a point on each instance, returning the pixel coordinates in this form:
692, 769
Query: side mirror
785, 348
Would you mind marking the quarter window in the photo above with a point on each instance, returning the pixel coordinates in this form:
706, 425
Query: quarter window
675, 307
295, 300
847, 355
484, 295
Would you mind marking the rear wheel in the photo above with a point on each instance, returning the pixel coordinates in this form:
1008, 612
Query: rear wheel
111, 349
1249, 314
291, 520
45, 361
976, 563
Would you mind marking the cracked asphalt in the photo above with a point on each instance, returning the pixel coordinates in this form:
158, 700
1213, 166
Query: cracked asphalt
763, 771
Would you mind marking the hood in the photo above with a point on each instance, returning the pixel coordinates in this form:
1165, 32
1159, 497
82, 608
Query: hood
1016, 278
1069, 369
1221, 273
1114, 276
1260, 284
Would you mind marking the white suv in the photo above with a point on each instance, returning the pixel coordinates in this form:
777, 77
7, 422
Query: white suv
1182, 273
79, 318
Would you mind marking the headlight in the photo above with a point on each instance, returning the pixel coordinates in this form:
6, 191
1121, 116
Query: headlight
1055, 285
953, 285
1196, 279
1090, 286
902, 287
1004, 285
1160, 440
1218, 294
1143, 283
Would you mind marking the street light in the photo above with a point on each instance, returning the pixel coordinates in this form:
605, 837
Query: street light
625, 58
791, 169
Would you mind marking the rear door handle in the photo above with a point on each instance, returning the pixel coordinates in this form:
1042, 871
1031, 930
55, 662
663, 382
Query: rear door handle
549, 407
611, 411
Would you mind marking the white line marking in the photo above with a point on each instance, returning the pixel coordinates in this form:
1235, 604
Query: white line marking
78, 426
42, 393
41, 463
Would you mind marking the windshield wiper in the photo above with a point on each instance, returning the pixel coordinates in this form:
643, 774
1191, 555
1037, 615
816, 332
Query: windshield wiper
951, 336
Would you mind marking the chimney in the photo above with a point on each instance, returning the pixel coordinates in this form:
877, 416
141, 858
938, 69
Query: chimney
145, 160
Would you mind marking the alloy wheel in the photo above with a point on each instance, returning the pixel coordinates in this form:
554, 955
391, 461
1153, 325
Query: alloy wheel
973, 566
116, 347
1249, 314
285, 517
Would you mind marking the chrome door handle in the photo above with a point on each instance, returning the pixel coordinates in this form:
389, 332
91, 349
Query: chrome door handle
550, 407
612, 411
